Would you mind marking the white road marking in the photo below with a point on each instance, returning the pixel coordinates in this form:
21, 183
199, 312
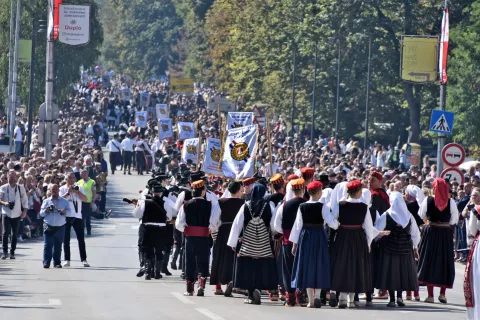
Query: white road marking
182, 298
105, 226
51, 302
209, 314
136, 227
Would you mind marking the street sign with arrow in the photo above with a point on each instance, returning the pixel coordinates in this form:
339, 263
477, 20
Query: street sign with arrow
419, 59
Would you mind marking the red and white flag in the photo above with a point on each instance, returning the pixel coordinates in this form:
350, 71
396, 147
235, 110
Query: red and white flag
442, 61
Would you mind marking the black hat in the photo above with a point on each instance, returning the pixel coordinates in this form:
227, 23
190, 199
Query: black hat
197, 175
186, 174
160, 177
323, 178
183, 181
189, 161
151, 182
157, 188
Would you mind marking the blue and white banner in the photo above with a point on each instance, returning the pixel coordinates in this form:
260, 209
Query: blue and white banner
186, 130
240, 151
191, 150
141, 119
144, 99
211, 160
126, 95
239, 119
162, 111
165, 130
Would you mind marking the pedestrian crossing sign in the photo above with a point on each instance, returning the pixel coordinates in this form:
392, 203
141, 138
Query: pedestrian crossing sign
442, 121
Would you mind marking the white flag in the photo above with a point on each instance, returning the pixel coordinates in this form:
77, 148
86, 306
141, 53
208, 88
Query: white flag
126, 94
144, 99
186, 130
191, 150
141, 118
165, 129
240, 151
239, 119
162, 111
212, 157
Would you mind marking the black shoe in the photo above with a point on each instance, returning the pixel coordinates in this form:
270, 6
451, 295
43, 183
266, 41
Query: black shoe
58, 266
333, 300
46, 266
141, 272
228, 290
12, 256
129, 173
166, 272
148, 276
257, 297
89, 233
124, 173
173, 265
158, 275
182, 276
4, 256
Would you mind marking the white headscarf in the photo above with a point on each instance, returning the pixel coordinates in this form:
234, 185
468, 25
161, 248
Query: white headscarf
289, 195
416, 192
398, 210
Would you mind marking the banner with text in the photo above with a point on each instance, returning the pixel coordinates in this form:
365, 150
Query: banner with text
74, 26
212, 157
239, 119
240, 150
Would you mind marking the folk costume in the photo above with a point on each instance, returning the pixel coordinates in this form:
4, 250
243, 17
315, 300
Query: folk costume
396, 266
350, 260
311, 267
284, 222
196, 220
436, 266
471, 284
307, 175
255, 267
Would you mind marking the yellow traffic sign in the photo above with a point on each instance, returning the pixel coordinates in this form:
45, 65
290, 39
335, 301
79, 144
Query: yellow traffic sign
184, 85
419, 59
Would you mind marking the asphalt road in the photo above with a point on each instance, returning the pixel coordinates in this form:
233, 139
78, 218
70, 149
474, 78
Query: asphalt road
110, 290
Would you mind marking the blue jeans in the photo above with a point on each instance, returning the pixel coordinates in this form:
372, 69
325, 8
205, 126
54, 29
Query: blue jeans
52, 245
19, 148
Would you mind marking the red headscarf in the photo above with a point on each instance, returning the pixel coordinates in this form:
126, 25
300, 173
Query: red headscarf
442, 194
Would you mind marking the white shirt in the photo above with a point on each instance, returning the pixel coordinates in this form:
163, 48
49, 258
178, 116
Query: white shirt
214, 221
298, 225
422, 212
17, 194
128, 144
71, 199
114, 146
140, 144
168, 205
212, 197
237, 225
19, 135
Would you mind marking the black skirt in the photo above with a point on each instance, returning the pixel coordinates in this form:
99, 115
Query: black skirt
351, 270
251, 273
223, 258
395, 272
436, 266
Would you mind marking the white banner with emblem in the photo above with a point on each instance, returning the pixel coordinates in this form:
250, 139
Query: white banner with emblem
165, 129
212, 157
162, 111
240, 151
141, 119
239, 119
186, 130
190, 150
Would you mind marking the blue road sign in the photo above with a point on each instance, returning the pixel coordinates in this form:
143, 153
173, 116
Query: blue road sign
442, 121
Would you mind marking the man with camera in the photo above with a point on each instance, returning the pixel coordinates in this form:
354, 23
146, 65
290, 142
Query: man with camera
14, 201
54, 210
75, 196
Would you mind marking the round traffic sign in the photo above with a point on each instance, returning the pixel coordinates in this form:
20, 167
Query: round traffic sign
453, 154
453, 174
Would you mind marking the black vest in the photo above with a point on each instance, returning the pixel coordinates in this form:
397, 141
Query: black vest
290, 212
378, 204
275, 198
312, 213
435, 215
154, 211
229, 208
413, 207
197, 212
352, 213
399, 241
188, 194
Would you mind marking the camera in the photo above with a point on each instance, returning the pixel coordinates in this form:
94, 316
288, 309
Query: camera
75, 187
52, 208
11, 205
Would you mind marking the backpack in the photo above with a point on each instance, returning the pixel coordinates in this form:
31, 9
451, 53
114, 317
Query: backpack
256, 238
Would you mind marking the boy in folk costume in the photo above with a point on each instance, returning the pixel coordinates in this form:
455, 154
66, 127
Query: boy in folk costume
311, 268
471, 283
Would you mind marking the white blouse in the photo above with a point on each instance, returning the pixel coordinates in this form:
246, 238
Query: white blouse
422, 212
370, 231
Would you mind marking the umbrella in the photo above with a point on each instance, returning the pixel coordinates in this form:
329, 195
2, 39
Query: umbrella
467, 165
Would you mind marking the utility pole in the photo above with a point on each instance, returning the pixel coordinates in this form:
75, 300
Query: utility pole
49, 92
32, 82
293, 85
10, 70
338, 93
15, 75
313, 95
367, 105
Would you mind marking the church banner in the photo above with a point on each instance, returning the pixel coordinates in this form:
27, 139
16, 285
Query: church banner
239, 119
186, 130
144, 99
212, 157
240, 151
165, 129
141, 119
190, 150
126, 94
162, 111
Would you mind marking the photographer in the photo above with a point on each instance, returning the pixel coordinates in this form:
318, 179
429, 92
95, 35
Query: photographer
14, 203
54, 211
75, 196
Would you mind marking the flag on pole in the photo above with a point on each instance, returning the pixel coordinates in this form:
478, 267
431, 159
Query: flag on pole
240, 151
165, 129
442, 61
190, 150
212, 157
239, 119
141, 119
186, 130
162, 111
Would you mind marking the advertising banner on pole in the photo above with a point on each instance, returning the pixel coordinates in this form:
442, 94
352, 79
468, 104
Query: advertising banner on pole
74, 27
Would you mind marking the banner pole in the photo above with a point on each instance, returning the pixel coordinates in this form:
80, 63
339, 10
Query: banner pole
198, 153
269, 144
222, 147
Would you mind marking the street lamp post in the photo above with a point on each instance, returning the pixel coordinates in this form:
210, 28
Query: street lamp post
338, 91
313, 95
292, 112
367, 105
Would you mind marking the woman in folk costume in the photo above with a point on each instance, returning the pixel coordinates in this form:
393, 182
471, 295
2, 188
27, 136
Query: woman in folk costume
396, 266
471, 284
223, 256
436, 266
255, 266
350, 260
311, 267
